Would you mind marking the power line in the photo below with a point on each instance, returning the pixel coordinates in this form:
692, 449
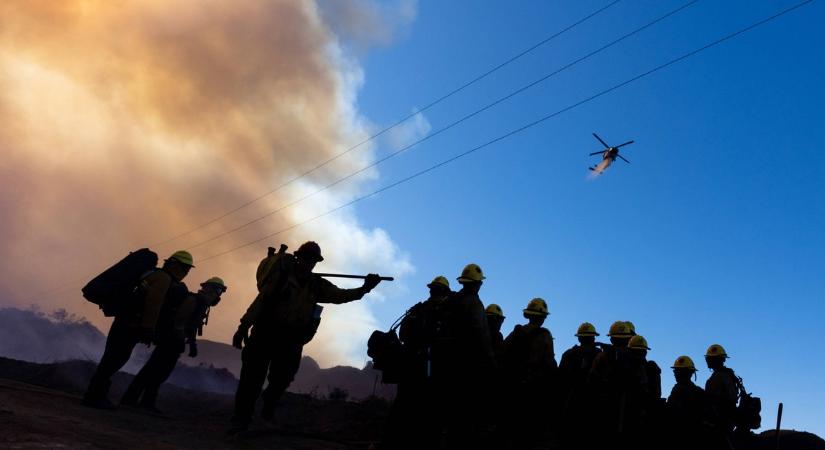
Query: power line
445, 128
397, 123
522, 128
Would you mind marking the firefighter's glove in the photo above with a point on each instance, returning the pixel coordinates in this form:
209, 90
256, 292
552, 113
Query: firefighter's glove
193, 349
146, 335
371, 281
241, 336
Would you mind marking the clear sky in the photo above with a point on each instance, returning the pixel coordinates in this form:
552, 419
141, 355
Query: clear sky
714, 233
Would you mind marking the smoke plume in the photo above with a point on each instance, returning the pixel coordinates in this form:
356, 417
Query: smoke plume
123, 124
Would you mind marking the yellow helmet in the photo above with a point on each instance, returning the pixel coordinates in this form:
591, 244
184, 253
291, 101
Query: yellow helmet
183, 257
684, 362
471, 273
638, 342
630, 327
619, 329
536, 307
586, 329
439, 280
217, 282
494, 310
716, 350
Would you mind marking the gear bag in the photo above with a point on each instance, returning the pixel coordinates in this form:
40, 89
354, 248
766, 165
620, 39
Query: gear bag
387, 353
112, 289
275, 262
749, 410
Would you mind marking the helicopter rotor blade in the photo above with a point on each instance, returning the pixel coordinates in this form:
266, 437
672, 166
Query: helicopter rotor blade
626, 143
600, 140
597, 153
623, 159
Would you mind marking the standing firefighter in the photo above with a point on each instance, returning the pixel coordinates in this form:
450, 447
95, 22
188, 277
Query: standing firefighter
529, 368
643, 407
613, 371
463, 361
574, 370
135, 323
178, 325
687, 407
495, 318
284, 317
415, 420
722, 390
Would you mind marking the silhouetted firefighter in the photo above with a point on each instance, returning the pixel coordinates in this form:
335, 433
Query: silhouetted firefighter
495, 318
687, 409
415, 422
283, 317
576, 396
610, 376
463, 363
643, 406
136, 311
178, 324
529, 370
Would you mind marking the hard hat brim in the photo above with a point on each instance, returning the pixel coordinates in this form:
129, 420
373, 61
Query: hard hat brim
181, 262
316, 258
586, 334
534, 313
468, 280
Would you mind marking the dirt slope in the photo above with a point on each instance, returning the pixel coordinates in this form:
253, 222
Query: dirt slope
37, 417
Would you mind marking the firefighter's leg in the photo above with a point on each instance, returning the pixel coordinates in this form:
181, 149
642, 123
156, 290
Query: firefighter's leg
284, 365
167, 358
253, 373
119, 345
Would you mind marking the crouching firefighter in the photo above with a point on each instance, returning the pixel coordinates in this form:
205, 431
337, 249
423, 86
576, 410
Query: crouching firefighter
283, 317
135, 323
179, 323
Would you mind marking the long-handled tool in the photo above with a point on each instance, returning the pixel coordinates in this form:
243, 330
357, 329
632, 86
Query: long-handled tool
282, 249
778, 424
341, 275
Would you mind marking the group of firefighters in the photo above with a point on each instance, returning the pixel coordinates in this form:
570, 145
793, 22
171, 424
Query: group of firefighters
461, 383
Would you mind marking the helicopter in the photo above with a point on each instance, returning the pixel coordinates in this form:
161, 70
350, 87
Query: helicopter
608, 155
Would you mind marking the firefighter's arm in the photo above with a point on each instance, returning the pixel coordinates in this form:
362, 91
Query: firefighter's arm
330, 293
478, 322
550, 351
156, 285
253, 312
183, 320
247, 320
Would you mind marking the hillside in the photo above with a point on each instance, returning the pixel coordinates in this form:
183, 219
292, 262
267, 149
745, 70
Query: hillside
31, 335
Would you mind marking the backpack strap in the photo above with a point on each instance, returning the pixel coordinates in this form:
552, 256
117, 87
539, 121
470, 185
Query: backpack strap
400, 320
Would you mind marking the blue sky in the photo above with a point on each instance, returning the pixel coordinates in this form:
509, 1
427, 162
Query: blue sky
712, 235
